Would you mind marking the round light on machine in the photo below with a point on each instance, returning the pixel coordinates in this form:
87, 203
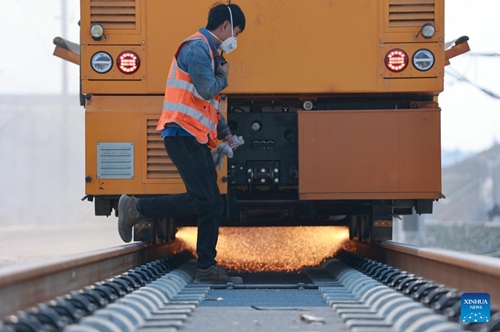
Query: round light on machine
128, 62
396, 60
97, 31
101, 62
256, 126
308, 105
428, 30
423, 60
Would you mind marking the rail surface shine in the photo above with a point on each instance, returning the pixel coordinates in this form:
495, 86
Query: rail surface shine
463, 271
27, 284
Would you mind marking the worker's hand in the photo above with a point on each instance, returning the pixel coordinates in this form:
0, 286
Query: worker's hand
225, 68
218, 154
229, 139
234, 141
226, 149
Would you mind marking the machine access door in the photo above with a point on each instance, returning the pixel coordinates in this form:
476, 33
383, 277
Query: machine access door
369, 154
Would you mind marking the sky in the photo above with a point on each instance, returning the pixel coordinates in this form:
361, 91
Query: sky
470, 118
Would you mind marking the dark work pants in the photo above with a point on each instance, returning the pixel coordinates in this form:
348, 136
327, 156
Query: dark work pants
197, 169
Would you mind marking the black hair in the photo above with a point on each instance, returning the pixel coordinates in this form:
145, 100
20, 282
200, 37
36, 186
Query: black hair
219, 14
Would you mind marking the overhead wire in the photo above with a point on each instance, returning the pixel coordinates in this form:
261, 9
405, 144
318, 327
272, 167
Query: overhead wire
483, 54
462, 78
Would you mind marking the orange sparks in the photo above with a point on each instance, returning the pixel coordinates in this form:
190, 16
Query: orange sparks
271, 248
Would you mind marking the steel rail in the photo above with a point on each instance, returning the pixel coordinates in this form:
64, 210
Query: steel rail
25, 285
465, 272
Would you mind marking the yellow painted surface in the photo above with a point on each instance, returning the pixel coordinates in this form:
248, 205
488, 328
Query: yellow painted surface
67, 55
124, 119
288, 46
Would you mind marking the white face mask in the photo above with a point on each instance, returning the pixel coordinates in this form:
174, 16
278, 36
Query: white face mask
230, 44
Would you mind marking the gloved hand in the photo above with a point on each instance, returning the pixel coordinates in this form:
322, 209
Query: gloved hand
226, 150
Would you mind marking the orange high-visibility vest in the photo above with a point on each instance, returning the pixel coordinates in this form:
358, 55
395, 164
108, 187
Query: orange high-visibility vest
183, 104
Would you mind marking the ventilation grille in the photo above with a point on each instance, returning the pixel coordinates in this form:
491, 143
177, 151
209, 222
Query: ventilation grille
114, 14
115, 160
159, 164
410, 13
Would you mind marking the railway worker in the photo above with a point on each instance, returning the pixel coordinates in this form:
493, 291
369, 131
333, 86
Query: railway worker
189, 126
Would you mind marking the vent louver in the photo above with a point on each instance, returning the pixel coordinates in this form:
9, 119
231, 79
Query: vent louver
115, 160
159, 164
411, 13
114, 14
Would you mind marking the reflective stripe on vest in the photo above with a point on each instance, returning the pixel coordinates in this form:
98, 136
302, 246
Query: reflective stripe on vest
180, 84
184, 109
183, 104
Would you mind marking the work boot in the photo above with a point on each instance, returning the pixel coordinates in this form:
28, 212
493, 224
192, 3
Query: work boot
215, 275
128, 216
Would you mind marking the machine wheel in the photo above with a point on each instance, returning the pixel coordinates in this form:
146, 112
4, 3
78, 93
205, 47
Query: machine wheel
353, 226
171, 230
381, 223
165, 230
363, 227
146, 231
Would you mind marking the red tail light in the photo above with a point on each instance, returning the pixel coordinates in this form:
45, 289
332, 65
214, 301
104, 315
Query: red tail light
128, 62
396, 60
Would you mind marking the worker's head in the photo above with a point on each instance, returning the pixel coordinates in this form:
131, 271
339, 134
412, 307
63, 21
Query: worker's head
226, 22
